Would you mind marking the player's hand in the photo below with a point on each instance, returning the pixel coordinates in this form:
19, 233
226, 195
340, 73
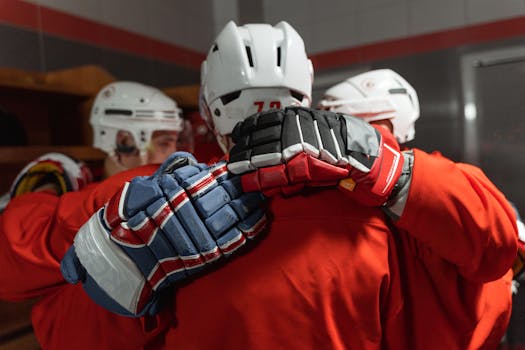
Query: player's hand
55, 171
282, 151
159, 230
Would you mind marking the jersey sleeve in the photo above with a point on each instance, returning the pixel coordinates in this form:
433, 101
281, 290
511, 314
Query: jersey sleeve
456, 212
37, 228
68, 318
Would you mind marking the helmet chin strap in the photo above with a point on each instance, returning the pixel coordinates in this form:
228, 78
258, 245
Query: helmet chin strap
121, 148
113, 163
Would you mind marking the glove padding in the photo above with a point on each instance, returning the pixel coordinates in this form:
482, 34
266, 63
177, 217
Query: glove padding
57, 169
282, 151
159, 230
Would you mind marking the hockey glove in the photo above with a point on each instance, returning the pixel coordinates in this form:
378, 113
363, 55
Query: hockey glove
56, 169
158, 230
286, 150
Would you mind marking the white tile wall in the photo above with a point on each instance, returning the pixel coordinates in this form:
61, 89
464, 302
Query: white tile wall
430, 15
306, 31
491, 10
126, 14
224, 11
333, 9
181, 23
382, 22
165, 20
84, 8
370, 4
199, 24
335, 33
292, 11
325, 25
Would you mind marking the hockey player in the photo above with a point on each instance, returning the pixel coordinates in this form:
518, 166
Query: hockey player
150, 138
420, 204
385, 98
352, 95
331, 272
135, 125
129, 137
296, 281
51, 199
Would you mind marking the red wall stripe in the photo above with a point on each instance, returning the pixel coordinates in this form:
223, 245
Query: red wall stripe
54, 22
504, 29
19, 13
71, 27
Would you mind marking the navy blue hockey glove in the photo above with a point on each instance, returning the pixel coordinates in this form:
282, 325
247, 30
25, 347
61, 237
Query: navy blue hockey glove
158, 230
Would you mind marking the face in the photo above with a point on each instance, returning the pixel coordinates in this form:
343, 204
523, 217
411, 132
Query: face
127, 154
163, 143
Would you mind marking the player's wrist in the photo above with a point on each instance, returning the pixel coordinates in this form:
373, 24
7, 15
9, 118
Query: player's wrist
397, 200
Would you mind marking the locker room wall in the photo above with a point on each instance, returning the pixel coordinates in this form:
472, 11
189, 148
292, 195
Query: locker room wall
423, 40
335, 24
325, 25
162, 43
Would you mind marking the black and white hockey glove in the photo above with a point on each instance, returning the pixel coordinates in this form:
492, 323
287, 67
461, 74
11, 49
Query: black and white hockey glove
282, 151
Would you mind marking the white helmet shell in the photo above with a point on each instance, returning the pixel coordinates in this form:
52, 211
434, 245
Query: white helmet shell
377, 95
133, 107
252, 68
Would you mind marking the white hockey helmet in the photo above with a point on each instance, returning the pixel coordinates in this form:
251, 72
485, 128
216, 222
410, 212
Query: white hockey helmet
376, 95
133, 107
253, 68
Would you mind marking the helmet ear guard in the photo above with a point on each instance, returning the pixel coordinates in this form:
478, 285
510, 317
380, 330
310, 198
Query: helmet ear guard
377, 95
135, 108
252, 68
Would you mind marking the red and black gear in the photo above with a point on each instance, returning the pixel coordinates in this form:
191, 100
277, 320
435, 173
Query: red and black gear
282, 151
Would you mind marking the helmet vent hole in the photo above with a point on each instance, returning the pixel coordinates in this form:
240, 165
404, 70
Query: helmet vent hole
125, 112
297, 95
249, 53
141, 100
215, 48
397, 91
102, 132
279, 56
230, 97
217, 112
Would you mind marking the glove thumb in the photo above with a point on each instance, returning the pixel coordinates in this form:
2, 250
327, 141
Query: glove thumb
71, 268
174, 161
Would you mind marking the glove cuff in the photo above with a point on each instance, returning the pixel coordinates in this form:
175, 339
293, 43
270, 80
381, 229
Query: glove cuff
112, 270
396, 203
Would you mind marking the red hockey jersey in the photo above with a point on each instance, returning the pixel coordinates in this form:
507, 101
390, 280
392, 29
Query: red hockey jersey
329, 273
